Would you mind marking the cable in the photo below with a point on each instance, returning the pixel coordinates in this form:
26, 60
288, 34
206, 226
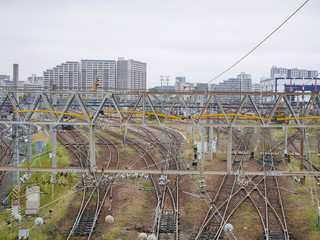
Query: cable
259, 44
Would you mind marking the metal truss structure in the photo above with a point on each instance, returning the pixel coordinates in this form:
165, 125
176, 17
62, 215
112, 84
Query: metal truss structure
163, 109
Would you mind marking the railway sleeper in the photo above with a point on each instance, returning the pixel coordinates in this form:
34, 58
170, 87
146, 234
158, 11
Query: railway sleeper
85, 224
168, 223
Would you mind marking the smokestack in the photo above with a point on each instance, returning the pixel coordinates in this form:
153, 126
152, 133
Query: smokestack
15, 75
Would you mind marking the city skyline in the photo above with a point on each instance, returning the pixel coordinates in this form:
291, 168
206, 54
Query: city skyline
186, 38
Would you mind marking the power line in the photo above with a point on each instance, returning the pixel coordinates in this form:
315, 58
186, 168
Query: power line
265, 39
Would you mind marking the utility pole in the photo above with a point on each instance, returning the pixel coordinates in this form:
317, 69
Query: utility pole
318, 217
286, 140
54, 151
16, 153
229, 150
161, 80
29, 148
202, 148
303, 178
211, 132
54, 136
167, 79
15, 128
92, 146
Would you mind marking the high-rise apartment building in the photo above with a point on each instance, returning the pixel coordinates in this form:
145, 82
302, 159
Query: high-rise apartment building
292, 73
121, 74
104, 69
245, 82
65, 76
131, 75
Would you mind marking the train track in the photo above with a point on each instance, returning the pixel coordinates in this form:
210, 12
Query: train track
166, 220
6, 154
96, 187
262, 192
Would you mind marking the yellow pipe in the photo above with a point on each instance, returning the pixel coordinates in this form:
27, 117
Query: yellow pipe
170, 116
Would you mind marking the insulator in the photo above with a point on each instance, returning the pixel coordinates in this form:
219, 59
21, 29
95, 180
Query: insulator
38, 221
17, 217
109, 219
142, 236
228, 227
152, 237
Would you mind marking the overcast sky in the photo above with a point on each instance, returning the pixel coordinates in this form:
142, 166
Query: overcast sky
197, 39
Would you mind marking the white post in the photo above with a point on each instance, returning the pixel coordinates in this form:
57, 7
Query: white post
229, 150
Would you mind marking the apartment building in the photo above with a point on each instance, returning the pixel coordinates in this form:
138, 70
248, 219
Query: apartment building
121, 75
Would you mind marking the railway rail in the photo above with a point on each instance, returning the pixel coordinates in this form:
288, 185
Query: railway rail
262, 192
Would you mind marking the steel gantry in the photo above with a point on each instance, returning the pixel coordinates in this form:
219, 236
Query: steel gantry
165, 109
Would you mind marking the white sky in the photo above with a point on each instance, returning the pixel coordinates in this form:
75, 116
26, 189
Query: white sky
197, 39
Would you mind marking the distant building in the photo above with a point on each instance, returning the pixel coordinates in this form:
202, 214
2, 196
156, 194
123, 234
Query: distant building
292, 73
33, 79
180, 80
245, 82
201, 99
65, 76
256, 87
121, 75
4, 80
201, 87
5, 77
104, 69
131, 75
289, 80
32, 86
242, 83
164, 88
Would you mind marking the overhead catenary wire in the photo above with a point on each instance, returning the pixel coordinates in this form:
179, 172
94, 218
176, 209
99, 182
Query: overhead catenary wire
260, 43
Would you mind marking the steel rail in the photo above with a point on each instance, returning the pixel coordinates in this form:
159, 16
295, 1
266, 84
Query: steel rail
152, 137
243, 146
209, 216
136, 146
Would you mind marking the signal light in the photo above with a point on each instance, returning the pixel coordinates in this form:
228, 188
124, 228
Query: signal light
96, 84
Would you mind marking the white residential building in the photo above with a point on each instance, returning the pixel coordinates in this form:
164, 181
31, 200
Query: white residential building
104, 69
121, 74
65, 76
131, 75
292, 73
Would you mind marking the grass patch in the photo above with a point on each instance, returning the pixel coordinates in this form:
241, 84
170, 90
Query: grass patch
49, 192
